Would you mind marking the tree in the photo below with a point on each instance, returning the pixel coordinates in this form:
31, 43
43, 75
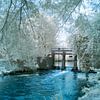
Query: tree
36, 37
96, 40
34, 28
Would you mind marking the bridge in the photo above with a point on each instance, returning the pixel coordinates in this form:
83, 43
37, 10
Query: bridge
61, 56
58, 58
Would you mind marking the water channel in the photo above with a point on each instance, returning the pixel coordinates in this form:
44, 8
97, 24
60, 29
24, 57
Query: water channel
45, 85
48, 85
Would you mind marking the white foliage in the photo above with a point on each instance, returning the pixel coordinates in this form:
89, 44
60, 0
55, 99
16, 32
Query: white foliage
36, 37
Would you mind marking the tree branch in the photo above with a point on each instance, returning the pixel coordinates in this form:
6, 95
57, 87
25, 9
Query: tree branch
73, 10
7, 15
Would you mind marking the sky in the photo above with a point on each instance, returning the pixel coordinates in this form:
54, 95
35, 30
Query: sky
87, 9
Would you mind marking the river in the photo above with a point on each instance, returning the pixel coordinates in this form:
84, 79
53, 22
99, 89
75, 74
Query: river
47, 85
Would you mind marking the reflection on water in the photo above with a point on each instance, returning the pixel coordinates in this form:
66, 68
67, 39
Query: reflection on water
69, 64
66, 63
51, 85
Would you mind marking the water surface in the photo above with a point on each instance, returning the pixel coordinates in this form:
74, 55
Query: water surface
51, 85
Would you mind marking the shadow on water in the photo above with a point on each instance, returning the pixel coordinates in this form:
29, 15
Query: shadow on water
51, 85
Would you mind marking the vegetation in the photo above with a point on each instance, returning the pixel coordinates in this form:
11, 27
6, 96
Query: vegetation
30, 28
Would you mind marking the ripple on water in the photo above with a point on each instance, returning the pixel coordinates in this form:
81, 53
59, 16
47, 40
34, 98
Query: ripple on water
52, 85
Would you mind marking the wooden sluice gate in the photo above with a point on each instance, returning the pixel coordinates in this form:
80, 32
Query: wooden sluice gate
61, 56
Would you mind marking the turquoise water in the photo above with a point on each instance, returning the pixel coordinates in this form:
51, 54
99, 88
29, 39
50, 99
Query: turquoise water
50, 85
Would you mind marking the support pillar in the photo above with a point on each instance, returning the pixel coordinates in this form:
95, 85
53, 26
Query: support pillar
53, 59
75, 61
75, 68
63, 61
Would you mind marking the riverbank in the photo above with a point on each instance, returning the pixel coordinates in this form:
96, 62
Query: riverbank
92, 93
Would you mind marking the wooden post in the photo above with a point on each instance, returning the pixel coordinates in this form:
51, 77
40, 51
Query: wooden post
75, 61
63, 61
75, 68
53, 55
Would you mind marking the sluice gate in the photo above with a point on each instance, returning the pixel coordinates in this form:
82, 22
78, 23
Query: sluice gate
62, 57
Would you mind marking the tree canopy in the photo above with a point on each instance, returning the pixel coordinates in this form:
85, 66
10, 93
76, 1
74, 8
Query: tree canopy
35, 24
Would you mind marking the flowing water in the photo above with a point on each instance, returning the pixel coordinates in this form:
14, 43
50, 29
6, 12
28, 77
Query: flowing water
48, 85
